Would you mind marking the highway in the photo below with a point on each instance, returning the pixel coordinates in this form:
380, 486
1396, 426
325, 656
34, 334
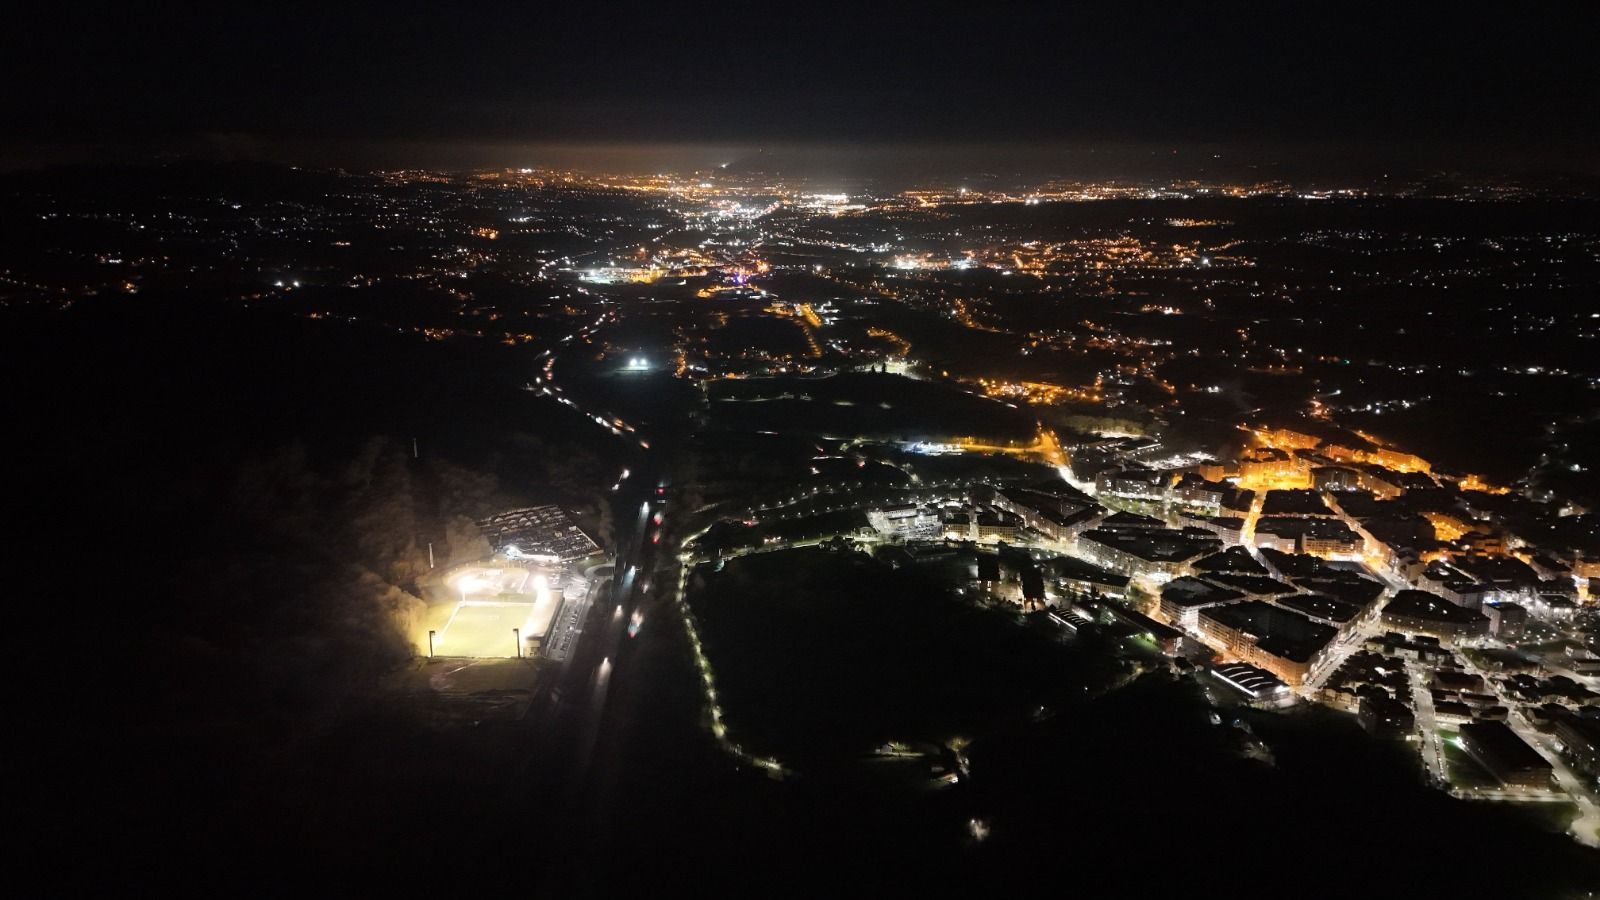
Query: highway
593, 635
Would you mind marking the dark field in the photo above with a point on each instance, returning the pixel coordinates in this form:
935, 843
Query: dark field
824, 655
867, 405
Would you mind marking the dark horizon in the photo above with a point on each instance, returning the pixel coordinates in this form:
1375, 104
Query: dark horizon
1318, 88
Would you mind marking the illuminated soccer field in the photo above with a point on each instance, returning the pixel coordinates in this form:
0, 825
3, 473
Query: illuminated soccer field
494, 602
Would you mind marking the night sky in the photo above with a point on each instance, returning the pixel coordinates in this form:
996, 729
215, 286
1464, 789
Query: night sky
1523, 82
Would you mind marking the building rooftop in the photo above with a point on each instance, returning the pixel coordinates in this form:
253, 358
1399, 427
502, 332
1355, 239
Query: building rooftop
1294, 526
1581, 728
1293, 565
1144, 623
1154, 544
1130, 520
1251, 584
1294, 503
1071, 568
1190, 592
1319, 606
1227, 523
1278, 631
1249, 679
1239, 499
1431, 607
1497, 743
1346, 586
1062, 510
538, 530
1233, 559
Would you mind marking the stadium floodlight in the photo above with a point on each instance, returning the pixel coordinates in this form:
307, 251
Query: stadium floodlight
468, 583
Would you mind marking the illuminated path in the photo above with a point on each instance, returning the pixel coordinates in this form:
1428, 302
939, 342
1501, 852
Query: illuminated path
1427, 724
1046, 447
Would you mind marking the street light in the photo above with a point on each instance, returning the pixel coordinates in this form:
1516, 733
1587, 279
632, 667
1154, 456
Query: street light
517, 634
